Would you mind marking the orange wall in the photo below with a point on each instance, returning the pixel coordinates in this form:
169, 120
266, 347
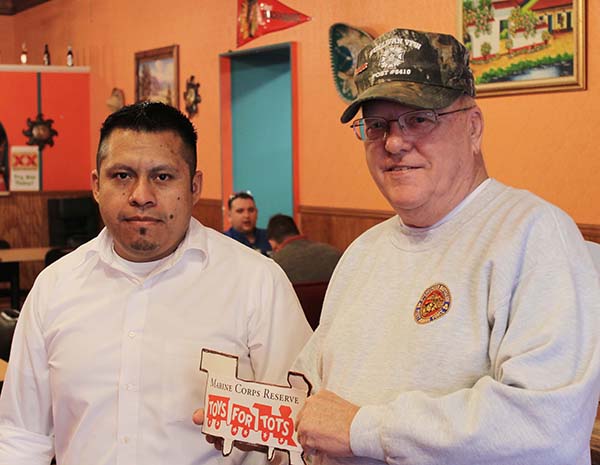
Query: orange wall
7, 37
542, 142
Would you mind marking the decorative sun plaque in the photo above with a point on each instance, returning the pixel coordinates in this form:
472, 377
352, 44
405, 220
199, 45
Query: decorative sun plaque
40, 131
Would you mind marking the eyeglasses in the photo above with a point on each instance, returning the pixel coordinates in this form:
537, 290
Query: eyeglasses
413, 124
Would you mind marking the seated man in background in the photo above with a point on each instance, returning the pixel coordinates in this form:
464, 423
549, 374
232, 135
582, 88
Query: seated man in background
301, 259
243, 215
104, 367
464, 330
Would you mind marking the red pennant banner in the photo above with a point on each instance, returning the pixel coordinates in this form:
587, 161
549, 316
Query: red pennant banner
259, 17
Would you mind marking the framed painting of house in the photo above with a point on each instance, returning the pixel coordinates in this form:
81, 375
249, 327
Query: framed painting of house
520, 46
157, 75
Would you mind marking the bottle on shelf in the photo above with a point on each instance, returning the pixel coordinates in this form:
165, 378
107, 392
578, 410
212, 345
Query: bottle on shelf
23, 54
69, 56
46, 55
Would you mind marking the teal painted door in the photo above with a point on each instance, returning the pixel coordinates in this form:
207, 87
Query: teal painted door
261, 113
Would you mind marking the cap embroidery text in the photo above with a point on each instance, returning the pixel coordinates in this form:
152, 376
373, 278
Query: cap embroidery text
395, 40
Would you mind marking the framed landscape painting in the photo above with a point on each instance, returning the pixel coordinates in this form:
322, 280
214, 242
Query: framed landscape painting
157, 75
519, 46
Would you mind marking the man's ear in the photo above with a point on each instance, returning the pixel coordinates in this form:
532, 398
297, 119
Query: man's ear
196, 185
274, 245
95, 178
476, 127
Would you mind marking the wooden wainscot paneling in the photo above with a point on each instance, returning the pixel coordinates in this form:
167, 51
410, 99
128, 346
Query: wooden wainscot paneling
210, 213
338, 226
591, 232
24, 223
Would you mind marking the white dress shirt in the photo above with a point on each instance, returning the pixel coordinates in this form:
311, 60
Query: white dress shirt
104, 368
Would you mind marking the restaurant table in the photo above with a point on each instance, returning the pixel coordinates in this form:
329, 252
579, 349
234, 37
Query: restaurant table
26, 254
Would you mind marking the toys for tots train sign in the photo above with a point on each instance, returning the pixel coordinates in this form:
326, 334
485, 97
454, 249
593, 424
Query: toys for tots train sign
250, 411
258, 418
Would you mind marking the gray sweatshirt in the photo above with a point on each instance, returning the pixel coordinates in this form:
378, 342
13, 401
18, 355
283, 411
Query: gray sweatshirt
474, 341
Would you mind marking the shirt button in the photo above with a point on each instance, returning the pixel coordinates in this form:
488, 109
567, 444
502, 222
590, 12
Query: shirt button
125, 439
131, 334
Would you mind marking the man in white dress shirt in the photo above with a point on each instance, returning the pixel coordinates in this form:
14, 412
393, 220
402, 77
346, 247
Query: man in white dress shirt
104, 366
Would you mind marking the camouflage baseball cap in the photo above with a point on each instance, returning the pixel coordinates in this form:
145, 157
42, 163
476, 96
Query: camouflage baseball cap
418, 69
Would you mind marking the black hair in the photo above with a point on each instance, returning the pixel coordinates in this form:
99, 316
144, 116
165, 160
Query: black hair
239, 195
151, 117
280, 227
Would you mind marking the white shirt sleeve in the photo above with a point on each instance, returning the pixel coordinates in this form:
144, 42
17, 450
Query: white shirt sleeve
277, 328
26, 404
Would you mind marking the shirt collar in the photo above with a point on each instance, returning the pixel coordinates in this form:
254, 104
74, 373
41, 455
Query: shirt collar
194, 243
240, 236
466, 201
289, 239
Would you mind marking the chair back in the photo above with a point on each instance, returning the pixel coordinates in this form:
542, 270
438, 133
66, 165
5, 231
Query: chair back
311, 296
55, 253
9, 273
5, 271
8, 321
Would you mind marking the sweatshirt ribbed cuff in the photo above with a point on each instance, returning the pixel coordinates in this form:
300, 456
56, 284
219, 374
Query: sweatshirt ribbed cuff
364, 433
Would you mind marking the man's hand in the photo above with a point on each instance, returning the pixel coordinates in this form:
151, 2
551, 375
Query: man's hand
323, 424
198, 418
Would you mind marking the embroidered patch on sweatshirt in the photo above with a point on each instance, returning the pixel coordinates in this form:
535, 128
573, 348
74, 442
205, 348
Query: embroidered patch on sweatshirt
433, 304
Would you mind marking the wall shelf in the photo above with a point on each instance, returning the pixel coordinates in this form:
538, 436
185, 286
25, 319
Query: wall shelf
44, 69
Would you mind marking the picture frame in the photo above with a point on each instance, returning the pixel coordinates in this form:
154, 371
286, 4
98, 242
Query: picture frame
524, 46
157, 75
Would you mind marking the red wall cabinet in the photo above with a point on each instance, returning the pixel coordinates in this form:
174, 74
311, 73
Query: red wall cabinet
61, 94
